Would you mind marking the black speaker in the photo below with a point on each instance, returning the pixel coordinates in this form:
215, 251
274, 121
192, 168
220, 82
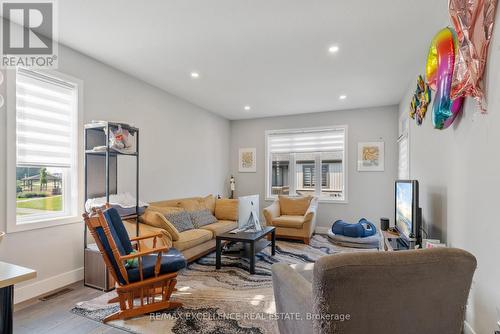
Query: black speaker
384, 224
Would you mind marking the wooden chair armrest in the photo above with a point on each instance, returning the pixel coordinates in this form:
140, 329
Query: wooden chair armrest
147, 236
142, 253
153, 236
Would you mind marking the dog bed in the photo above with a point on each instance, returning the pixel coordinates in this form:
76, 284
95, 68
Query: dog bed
373, 241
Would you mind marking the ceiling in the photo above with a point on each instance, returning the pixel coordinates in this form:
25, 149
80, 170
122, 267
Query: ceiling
269, 54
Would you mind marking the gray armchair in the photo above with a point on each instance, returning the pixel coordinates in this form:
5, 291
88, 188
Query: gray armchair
420, 291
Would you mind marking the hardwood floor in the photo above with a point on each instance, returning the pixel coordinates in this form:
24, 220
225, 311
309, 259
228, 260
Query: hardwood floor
53, 316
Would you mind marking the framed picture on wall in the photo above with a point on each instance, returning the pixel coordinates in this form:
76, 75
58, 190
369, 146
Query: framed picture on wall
247, 160
371, 156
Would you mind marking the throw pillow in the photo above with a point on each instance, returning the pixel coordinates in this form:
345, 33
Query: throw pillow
294, 206
202, 218
226, 209
181, 220
158, 219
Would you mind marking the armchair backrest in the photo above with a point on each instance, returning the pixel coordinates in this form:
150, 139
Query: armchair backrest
420, 291
112, 240
294, 206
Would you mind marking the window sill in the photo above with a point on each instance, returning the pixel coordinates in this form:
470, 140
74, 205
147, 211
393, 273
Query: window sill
321, 201
333, 201
42, 223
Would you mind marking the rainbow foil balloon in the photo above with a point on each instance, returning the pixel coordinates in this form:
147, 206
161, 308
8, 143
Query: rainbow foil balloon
439, 73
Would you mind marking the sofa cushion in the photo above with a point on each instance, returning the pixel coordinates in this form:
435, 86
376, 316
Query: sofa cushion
173, 202
222, 226
157, 219
202, 217
209, 203
289, 221
171, 262
163, 209
192, 205
294, 206
118, 230
191, 238
226, 209
181, 220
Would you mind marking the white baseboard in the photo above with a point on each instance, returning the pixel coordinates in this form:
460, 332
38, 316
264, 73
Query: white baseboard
468, 329
321, 229
49, 284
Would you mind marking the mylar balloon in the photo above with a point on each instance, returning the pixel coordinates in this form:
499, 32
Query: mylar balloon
439, 73
420, 101
473, 22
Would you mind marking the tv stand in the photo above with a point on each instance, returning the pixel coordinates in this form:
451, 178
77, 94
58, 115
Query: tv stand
393, 242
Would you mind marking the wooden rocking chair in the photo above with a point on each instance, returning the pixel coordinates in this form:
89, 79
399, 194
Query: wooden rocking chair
141, 289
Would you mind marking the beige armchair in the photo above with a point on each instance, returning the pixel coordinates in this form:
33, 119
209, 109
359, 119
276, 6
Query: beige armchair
418, 291
293, 217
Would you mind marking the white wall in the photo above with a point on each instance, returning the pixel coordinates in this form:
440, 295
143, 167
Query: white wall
459, 187
370, 194
184, 152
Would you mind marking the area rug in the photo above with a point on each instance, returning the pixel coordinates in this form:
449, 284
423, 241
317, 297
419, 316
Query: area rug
228, 300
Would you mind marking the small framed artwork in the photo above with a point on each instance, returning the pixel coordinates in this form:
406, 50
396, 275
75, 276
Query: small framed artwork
371, 156
247, 160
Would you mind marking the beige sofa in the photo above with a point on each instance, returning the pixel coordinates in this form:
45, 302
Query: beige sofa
293, 217
192, 243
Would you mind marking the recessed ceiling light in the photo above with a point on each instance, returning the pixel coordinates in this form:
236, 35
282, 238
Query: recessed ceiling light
247, 108
333, 49
195, 75
342, 97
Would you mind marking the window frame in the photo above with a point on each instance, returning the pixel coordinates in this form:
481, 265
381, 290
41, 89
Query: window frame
269, 197
76, 181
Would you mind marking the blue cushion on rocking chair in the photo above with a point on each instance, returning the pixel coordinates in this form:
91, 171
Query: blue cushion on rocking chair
171, 262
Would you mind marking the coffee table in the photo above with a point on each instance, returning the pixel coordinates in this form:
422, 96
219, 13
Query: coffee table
253, 243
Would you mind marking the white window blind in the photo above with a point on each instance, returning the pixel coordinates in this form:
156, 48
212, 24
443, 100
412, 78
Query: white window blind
404, 157
45, 120
303, 162
330, 140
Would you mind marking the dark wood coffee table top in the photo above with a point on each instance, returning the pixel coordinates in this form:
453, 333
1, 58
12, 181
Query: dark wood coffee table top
251, 240
246, 235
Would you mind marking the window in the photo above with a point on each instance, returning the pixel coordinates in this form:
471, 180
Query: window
307, 175
307, 162
46, 138
403, 150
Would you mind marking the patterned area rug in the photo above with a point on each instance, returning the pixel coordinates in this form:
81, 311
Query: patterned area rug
228, 300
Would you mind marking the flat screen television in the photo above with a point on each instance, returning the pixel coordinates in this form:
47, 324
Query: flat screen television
408, 213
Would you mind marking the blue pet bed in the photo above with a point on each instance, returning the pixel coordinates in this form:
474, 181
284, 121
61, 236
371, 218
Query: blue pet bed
363, 234
362, 229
